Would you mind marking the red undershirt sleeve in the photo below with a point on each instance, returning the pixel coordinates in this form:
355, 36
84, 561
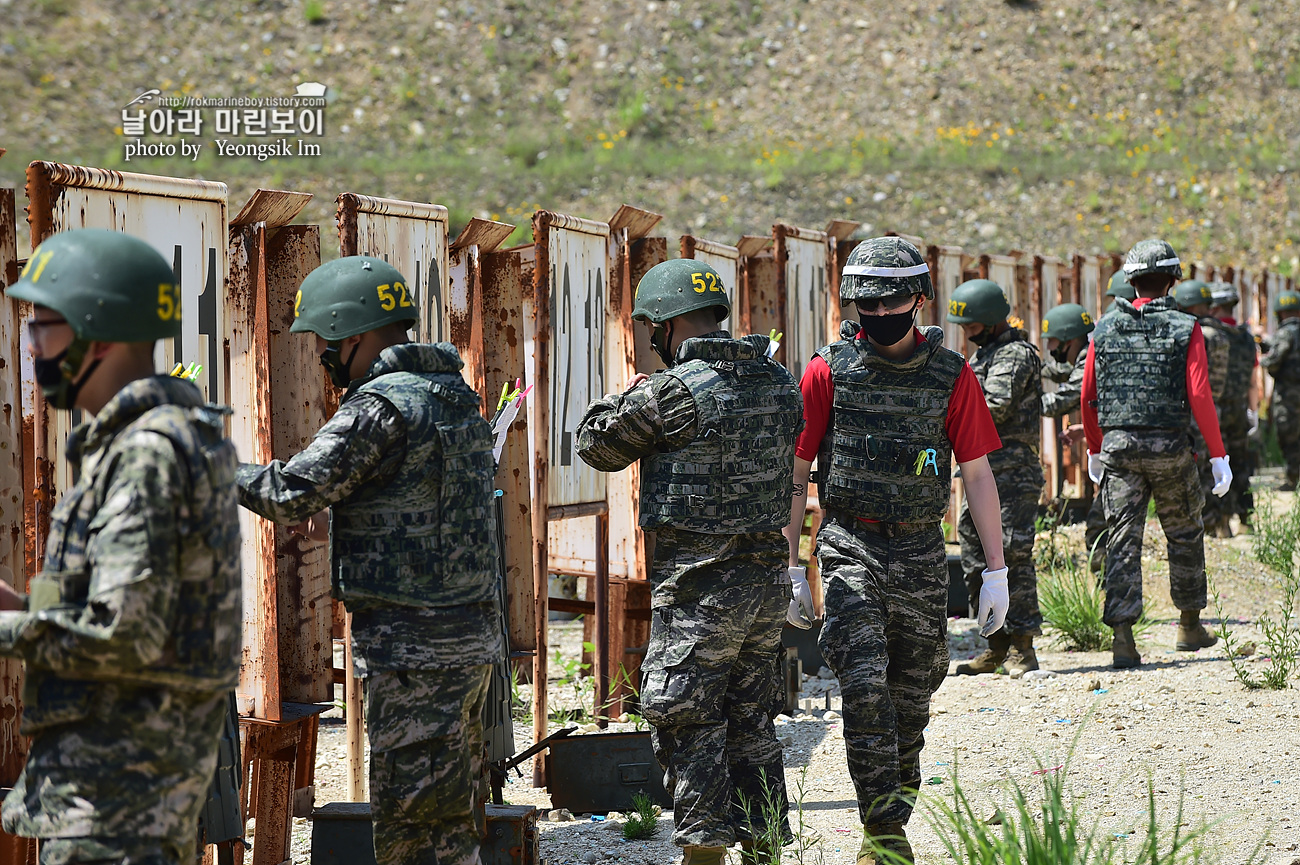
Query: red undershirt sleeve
818, 393
969, 425
1088, 404
1198, 393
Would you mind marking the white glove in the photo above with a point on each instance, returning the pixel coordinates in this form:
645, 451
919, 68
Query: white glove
1222, 475
801, 613
501, 423
1095, 469
994, 601
1252, 418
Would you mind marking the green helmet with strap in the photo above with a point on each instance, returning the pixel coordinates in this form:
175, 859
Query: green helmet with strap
1119, 286
350, 296
1224, 294
1286, 301
978, 300
678, 286
1066, 321
1192, 292
109, 286
1152, 256
884, 266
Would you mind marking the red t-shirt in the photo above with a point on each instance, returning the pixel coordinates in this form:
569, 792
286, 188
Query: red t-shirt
1198, 394
969, 425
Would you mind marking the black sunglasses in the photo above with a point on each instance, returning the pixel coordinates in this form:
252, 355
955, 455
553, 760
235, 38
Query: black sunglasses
892, 303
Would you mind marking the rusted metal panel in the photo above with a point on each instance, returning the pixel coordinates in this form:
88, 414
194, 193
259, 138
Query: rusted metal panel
504, 293
537, 354
1002, 270
1091, 287
465, 317
801, 273
947, 273
838, 248
760, 295
725, 260
412, 237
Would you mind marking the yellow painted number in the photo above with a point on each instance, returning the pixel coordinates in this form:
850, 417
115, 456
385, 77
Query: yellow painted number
697, 281
402, 299
36, 265
169, 307
1087, 319
297, 303
957, 307
387, 301
1046, 327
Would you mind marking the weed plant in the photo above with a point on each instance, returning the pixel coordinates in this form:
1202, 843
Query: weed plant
642, 824
770, 834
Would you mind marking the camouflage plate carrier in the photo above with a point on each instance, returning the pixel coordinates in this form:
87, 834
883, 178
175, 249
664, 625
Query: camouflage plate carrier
1141, 366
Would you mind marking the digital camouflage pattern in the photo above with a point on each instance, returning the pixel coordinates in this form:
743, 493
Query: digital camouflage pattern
1009, 372
1218, 348
132, 639
426, 764
711, 678
887, 456
1282, 361
1140, 464
1234, 425
1152, 256
885, 601
884, 266
712, 681
736, 474
1069, 391
1141, 366
410, 422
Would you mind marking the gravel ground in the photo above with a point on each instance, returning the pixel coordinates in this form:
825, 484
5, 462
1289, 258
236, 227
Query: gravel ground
1182, 723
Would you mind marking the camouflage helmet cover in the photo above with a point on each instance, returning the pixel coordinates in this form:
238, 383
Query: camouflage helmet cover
1192, 292
1119, 286
109, 286
352, 295
1224, 294
1066, 321
978, 301
1286, 301
1152, 256
678, 286
884, 266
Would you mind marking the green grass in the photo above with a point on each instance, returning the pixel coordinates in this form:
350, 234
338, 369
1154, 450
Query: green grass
1073, 601
642, 824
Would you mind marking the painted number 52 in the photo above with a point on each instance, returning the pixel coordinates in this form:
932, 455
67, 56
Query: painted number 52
169, 302
703, 282
392, 296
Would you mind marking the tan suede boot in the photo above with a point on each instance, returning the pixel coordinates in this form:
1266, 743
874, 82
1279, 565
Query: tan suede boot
755, 854
990, 659
891, 837
704, 855
1021, 657
1192, 635
1124, 649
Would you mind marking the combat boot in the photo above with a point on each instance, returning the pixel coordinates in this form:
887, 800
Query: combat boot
1192, 635
891, 837
1021, 657
991, 658
1124, 649
704, 855
755, 854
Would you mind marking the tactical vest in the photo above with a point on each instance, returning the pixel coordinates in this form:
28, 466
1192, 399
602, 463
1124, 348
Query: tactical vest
1242, 357
737, 475
1025, 426
1288, 371
202, 649
1141, 366
427, 538
1217, 356
888, 456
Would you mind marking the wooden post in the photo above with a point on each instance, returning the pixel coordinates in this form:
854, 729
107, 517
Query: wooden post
541, 431
356, 734
601, 661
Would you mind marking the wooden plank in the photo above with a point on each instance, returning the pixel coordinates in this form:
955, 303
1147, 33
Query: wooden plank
275, 207
486, 234
540, 331
638, 222
465, 318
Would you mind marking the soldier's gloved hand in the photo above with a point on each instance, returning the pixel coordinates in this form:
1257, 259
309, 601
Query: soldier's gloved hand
801, 613
1095, 469
994, 601
1222, 475
1252, 418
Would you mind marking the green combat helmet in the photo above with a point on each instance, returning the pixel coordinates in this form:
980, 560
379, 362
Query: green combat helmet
1224, 294
1119, 286
1152, 256
677, 286
1192, 292
1286, 301
978, 301
352, 295
109, 287
1066, 321
884, 266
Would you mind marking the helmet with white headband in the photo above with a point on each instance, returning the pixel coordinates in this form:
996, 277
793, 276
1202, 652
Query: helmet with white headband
883, 267
1152, 256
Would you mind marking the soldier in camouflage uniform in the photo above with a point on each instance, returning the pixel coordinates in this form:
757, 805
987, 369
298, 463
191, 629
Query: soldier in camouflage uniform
1281, 360
1193, 297
715, 435
1009, 371
1237, 416
1147, 368
131, 634
1119, 287
886, 412
1066, 328
405, 467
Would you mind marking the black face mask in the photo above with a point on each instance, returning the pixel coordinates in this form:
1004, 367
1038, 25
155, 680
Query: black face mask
335, 366
1061, 354
888, 329
660, 339
54, 375
982, 338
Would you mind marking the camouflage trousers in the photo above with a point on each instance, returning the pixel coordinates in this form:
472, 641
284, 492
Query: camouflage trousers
1214, 512
1236, 441
1139, 465
1285, 416
426, 764
1094, 535
1019, 489
114, 851
886, 602
712, 686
